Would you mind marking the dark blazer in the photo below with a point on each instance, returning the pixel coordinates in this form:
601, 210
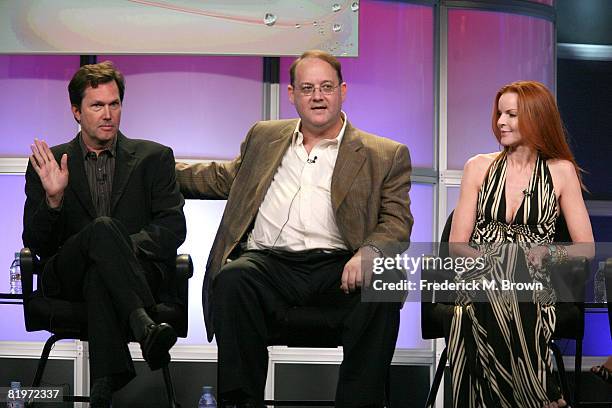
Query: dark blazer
145, 199
369, 192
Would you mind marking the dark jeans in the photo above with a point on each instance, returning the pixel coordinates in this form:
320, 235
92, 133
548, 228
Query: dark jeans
258, 289
98, 266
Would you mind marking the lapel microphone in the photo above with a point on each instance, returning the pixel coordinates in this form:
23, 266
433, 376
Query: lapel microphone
527, 192
312, 161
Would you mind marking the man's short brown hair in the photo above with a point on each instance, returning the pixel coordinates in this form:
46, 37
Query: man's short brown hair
93, 75
322, 55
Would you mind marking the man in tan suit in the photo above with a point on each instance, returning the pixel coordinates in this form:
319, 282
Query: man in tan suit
307, 199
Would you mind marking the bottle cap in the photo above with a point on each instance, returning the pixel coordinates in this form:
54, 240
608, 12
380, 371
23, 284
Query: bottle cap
207, 388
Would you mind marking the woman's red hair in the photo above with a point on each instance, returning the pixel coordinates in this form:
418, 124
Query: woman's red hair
539, 120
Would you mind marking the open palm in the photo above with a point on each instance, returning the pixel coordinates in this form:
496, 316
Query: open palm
53, 176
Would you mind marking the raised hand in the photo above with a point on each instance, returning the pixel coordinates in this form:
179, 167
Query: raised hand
53, 176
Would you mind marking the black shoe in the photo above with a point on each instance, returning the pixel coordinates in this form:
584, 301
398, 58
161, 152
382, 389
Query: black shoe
156, 345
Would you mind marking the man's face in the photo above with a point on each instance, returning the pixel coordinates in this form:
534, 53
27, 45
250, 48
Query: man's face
320, 110
99, 115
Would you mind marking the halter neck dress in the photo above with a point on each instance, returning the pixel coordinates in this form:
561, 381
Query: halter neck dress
498, 348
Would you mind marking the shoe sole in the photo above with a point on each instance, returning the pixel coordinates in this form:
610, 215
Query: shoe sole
163, 339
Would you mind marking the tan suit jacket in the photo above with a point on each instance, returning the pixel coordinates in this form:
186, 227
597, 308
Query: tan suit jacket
369, 192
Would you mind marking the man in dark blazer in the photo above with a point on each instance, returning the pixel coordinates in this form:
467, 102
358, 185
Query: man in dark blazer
307, 200
105, 215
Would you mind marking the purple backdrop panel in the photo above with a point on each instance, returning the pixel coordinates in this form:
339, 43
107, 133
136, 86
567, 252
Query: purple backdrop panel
390, 84
452, 198
485, 51
11, 322
35, 101
12, 327
597, 334
202, 107
11, 219
422, 208
422, 198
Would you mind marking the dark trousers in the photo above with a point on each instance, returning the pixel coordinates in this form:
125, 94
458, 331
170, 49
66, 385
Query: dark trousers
255, 292
98, 266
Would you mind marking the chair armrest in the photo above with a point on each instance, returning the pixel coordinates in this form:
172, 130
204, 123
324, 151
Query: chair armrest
436, 310
569, 280
184, 266
26, 265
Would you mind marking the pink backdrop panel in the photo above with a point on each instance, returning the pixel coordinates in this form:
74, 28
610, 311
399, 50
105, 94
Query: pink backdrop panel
202, 107
35, 101
390, 84
487, 50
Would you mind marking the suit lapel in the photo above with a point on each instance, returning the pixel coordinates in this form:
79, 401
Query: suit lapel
78, 181
124, 164
349, 161
277, 150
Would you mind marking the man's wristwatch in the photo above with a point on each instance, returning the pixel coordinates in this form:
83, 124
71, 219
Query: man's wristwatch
377, 251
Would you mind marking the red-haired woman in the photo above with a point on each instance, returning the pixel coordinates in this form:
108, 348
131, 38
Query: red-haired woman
498, 349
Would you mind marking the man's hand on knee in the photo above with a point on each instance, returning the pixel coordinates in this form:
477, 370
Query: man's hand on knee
351, 275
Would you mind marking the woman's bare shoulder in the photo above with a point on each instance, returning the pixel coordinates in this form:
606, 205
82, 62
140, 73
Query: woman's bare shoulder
480, 162
476, 167
563, 172
561, 166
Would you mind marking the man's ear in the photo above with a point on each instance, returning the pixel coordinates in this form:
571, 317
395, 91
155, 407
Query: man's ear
76, 112
291, 94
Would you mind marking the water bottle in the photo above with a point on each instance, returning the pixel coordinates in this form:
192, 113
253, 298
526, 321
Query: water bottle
207, 400
599, 284
15, 272
18, 403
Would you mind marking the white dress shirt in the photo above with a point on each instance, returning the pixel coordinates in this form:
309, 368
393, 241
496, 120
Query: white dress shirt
296, 213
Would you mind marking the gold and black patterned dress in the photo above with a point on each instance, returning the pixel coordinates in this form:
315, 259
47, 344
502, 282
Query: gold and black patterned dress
498, 348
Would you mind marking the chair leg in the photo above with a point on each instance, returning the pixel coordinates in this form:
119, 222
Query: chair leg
562, 374
431, 397
170, 388
577, 373
42, 362
388, 388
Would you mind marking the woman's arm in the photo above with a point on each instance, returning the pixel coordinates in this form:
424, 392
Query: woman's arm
573, 208
464, 218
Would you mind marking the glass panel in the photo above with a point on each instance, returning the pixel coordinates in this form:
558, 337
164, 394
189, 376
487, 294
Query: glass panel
202, 107
35, 101
487, 50
452, 198
11, 219
422, 198
390, 84
12, 326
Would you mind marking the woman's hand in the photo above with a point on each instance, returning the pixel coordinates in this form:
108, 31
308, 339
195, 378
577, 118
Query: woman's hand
536, 256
